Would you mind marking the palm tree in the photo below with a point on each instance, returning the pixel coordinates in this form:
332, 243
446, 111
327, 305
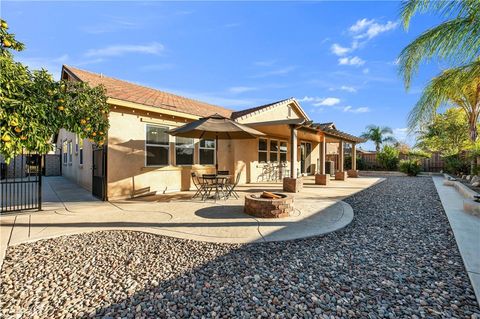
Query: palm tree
458, 87
456, 40
378, 135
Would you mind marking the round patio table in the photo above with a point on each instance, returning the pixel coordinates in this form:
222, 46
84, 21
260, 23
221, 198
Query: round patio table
216, 183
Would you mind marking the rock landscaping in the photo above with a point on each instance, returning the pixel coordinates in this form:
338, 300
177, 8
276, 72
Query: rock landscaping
397, 259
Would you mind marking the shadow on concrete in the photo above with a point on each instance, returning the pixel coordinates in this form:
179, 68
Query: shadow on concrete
222, 212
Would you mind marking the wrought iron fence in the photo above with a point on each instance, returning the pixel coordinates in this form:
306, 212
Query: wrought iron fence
21, 183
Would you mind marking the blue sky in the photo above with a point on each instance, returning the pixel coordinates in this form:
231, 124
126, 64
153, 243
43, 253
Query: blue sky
336, 58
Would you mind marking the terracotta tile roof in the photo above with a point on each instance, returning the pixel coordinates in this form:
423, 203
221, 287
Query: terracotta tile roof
241, 113
135, 93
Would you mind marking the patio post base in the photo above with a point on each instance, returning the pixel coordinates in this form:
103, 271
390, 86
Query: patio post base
322, 179
340, 176
292, 185
352, 173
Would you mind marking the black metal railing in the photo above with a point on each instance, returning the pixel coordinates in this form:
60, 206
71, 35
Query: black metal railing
21, 183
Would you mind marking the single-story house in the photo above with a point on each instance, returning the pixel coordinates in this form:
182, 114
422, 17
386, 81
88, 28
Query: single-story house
139, 156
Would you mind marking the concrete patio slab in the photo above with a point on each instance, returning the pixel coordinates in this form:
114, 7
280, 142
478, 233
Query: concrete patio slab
466, 228
69, 209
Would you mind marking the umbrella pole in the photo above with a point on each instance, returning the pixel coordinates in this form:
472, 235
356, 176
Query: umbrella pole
216, 153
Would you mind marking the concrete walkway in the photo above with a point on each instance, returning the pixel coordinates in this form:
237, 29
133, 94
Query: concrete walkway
466, 229
69, 209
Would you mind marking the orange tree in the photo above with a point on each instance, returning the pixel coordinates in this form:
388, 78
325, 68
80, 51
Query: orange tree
34, 107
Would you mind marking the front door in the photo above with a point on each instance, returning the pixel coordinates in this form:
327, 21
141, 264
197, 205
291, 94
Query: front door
99, 176
305, 151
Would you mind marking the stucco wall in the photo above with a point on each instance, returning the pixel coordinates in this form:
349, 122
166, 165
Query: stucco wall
76, 172
127, 171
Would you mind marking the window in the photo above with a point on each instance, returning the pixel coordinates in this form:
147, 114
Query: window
273, 150
70, 152
64, 152
207, 152
80, 151
262, 150
157, 146
77, 138
283, 151
184, 151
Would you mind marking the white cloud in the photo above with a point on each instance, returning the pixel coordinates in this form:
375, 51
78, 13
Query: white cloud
356, 110
118, 50
280, 71
337, 49
240, 89
320, 101
356, 61
366, 71
350, 89
329, 101
369, 29
400, 133
114, 24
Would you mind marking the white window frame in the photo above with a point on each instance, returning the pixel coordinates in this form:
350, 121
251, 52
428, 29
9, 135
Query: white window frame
270, 150
280, 151
64, 152
207, 148
182, 146
70, 152
156, 145
262, 151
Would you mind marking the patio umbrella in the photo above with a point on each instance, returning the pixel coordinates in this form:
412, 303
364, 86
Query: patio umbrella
215, 127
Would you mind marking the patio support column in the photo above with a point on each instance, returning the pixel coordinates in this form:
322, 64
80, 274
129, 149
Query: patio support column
323, 152
341, 156
341, 175
293, 184
293, 151
354, 156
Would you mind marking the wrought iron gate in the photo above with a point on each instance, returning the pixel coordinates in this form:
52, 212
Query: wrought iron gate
21, 183
99, 173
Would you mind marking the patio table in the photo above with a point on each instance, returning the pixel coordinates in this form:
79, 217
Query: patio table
217, 183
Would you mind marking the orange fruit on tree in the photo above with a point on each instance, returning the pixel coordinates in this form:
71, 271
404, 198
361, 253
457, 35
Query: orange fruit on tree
7, 43
101, 133
18, 129
94, 134
23, 137
83, 121
61, 108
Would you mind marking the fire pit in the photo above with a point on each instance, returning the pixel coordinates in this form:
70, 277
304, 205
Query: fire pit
276, 205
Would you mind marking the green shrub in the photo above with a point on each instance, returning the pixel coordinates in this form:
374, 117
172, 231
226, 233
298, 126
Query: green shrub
388, 157
456, 165
360, 163
410, 167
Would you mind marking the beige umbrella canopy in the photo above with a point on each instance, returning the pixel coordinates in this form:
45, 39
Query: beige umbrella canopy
215, 127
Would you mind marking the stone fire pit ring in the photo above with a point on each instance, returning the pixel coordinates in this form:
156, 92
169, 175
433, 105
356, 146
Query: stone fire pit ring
268, 207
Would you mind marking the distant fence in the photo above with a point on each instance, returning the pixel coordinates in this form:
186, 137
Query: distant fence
433, 164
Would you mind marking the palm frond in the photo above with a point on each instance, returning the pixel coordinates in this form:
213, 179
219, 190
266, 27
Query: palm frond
447, 88
457, 41
444, 8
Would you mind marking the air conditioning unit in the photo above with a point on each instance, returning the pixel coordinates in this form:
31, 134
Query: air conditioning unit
330, 167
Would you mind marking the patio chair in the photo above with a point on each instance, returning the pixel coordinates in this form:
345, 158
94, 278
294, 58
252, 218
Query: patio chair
231, 186
198, 184
212, 183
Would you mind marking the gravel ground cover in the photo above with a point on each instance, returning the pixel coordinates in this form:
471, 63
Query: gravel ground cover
398, 259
